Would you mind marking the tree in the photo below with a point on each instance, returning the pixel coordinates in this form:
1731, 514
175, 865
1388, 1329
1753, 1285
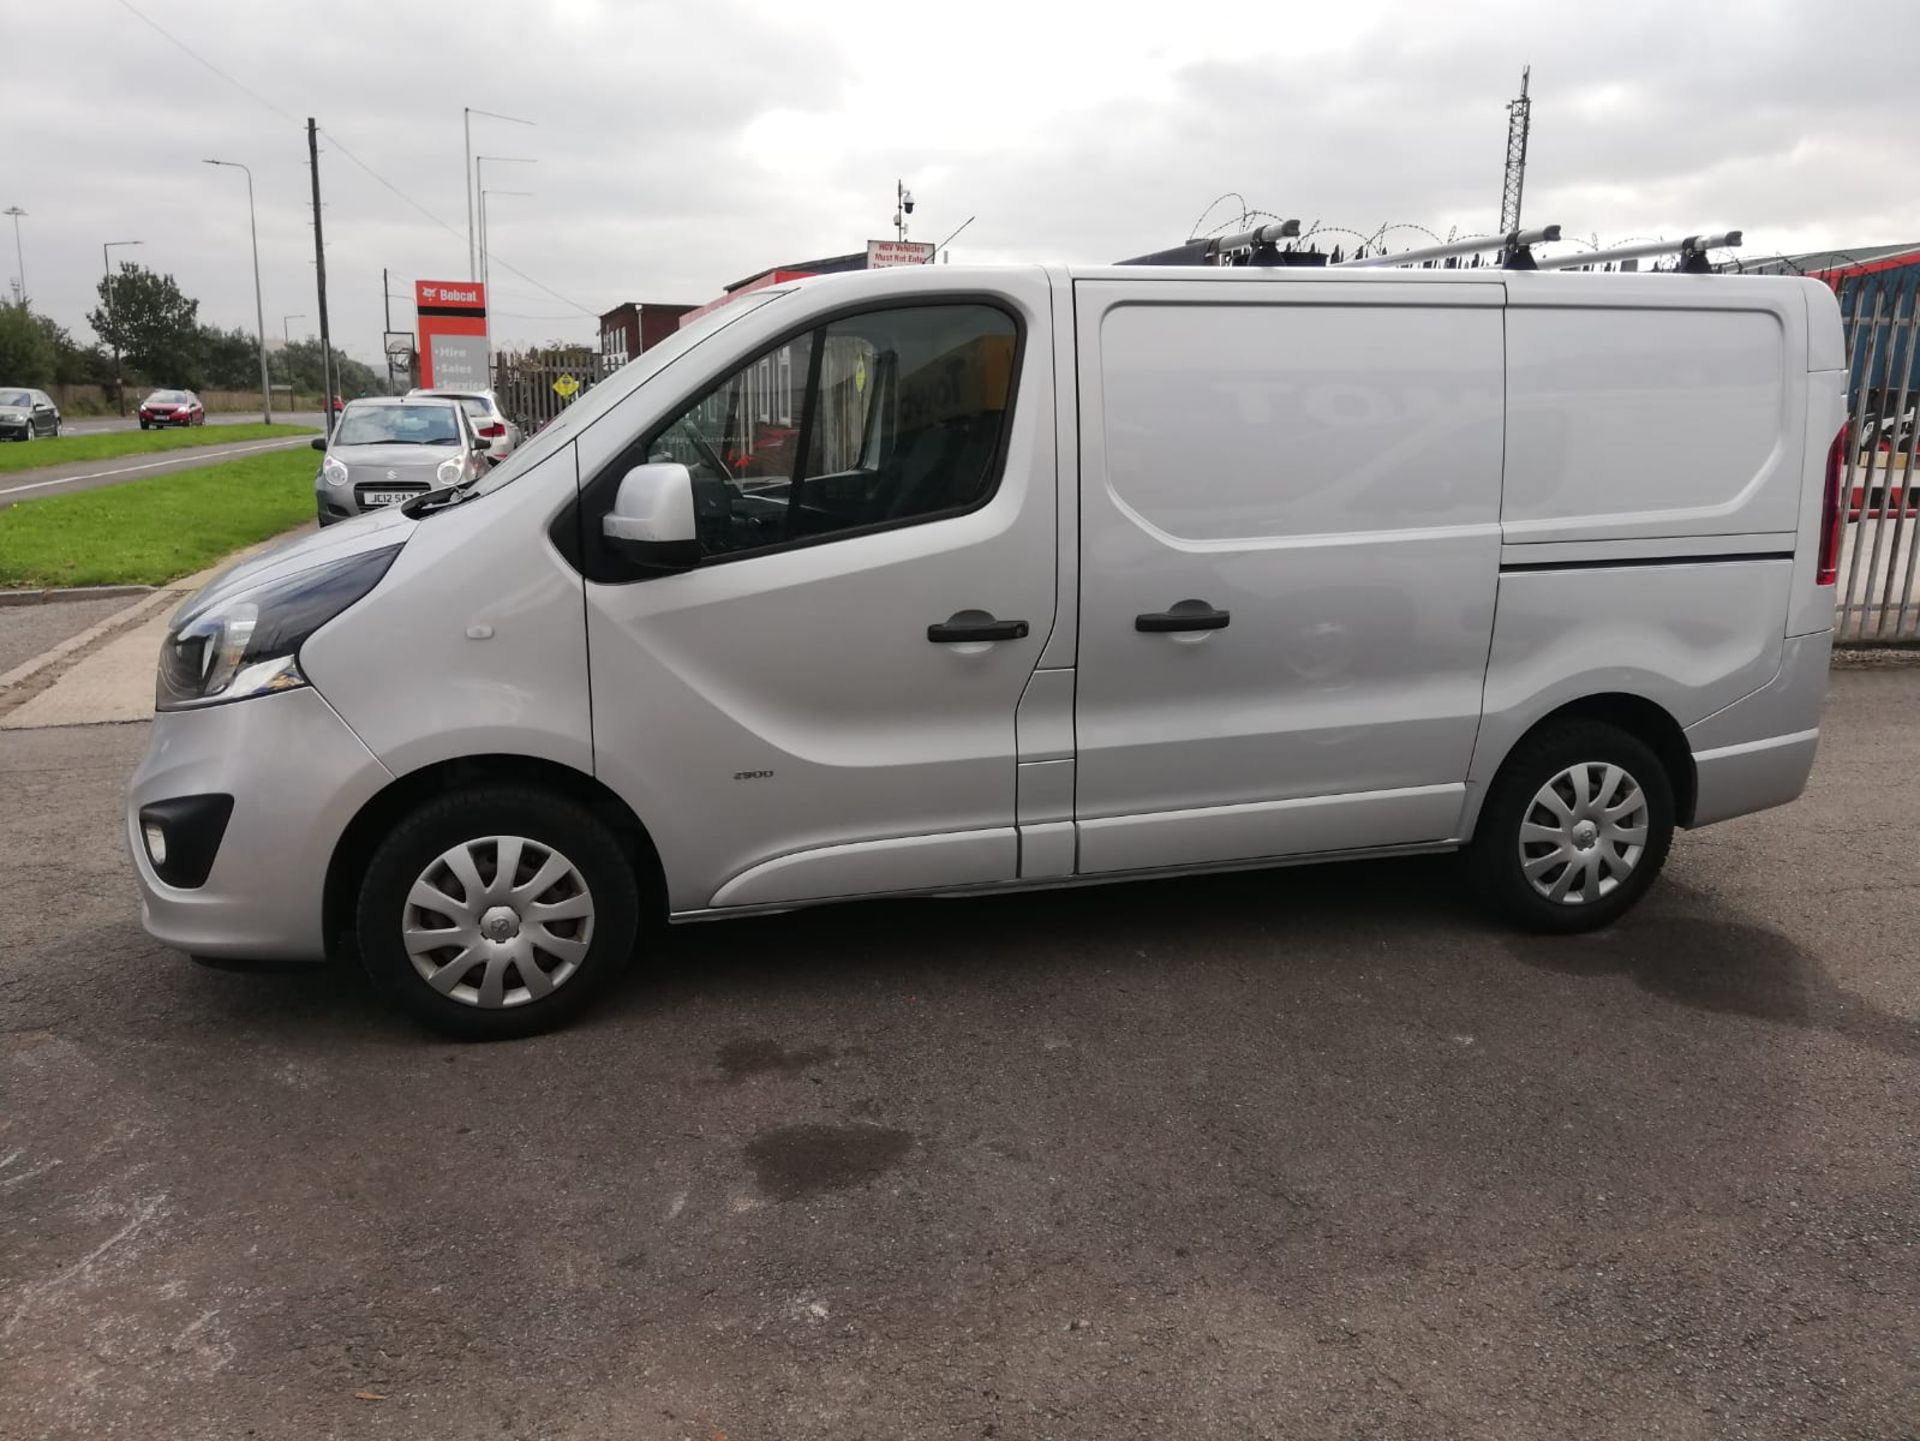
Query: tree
229, 359
26, 355
153, 324
74, 364
300, 363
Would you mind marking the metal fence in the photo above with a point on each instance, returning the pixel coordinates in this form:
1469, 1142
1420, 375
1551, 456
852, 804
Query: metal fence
1879, 593
533, 388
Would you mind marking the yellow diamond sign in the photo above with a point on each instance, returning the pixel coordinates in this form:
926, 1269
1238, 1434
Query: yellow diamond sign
565, 387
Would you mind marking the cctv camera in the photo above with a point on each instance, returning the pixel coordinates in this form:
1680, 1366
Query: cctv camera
906, 199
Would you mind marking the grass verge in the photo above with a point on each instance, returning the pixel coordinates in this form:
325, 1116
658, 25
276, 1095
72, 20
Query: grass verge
148, 532
66, 449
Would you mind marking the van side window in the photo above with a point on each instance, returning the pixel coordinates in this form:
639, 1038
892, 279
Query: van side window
901, 413
738, 452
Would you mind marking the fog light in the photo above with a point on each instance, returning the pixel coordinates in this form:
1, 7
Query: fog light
156, 843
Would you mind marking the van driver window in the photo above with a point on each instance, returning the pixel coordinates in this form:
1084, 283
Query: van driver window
903, 409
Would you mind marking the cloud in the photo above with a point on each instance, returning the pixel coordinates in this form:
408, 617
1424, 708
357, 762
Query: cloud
681, 146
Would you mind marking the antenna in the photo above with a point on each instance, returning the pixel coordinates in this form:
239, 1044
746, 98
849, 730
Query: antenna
1519, 121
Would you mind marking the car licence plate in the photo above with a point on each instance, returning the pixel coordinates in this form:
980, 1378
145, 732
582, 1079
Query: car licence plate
386, 497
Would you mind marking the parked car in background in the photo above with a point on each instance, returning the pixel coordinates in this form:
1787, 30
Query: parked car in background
25, 414
172, 407
489, 421
385, 450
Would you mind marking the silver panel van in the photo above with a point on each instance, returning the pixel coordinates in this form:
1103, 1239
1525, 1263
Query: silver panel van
950, 580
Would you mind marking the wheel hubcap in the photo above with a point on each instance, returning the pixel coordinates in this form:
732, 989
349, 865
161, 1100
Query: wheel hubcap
498, 921
1583, 834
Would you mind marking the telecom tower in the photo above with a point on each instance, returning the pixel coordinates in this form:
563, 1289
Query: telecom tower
1519, 116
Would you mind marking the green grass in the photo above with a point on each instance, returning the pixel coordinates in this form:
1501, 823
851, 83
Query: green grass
65, 449
148, 532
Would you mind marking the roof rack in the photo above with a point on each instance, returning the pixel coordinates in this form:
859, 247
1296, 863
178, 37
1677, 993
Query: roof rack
1259, 246
1692, 252
1515, 247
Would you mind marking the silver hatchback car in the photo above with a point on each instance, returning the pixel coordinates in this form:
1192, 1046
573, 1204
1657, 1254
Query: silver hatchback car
384, 451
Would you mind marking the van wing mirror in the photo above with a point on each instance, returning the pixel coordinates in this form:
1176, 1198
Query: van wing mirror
651, 523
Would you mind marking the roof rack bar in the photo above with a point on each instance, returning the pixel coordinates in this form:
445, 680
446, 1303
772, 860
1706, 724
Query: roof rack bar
1258, 246
1692, 252
1514, 248
1260, 235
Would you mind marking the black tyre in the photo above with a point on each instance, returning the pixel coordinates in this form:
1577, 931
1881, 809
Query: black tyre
143, 425
1575, 828
497, 912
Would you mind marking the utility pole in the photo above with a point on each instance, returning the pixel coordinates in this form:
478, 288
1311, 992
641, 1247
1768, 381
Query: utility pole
1519, 120
320, 273
19, 255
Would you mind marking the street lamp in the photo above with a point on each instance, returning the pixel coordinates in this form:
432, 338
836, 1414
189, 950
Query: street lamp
19, 255
259, 312
467, 112
119, 386
480, 172
484, 193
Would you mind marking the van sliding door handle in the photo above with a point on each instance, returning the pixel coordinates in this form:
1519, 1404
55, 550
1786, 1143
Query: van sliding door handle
956, 630
1160, 621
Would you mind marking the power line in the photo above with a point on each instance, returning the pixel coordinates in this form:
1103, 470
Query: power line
193, 54
260, 99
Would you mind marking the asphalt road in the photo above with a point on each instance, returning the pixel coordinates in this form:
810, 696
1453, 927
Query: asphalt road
92, 474
1315, 1154
104, 425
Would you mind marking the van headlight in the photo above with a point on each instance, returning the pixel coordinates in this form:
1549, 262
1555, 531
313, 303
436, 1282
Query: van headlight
333, 472
247, 642
452, 471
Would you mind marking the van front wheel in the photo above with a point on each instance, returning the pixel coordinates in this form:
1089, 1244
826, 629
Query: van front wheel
497, 912
1575, 828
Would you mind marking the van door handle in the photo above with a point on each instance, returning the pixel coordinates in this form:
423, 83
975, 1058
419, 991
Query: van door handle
1160, 621
955, 630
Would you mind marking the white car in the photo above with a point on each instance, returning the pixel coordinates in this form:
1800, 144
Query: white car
490, 423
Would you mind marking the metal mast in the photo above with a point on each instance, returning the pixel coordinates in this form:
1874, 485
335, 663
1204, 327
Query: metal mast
1519, 117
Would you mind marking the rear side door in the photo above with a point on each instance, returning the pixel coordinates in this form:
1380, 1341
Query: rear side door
1290, 496
825, 705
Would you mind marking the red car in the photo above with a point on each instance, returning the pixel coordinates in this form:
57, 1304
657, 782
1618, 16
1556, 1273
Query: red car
172, 407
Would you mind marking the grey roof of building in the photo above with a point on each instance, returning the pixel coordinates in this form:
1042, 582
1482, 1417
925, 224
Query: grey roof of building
1812, 261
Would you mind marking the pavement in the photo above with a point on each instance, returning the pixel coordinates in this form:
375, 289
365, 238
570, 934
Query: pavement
32, 630
95, 667
106, 425
92, 474
1318, 1153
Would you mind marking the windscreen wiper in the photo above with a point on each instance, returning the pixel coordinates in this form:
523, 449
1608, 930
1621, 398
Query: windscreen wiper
445, 498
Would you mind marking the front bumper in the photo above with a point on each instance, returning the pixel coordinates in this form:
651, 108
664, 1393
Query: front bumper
14, 425
298, 775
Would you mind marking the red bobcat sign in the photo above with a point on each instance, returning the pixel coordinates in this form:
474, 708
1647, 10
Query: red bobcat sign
453, 334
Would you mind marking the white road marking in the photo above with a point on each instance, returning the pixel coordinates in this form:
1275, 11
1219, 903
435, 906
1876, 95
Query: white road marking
211, 453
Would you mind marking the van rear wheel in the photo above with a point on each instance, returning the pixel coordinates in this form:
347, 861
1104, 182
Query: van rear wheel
1575, 828
501, 911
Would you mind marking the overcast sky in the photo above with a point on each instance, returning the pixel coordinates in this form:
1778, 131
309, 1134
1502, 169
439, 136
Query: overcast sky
681, 146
